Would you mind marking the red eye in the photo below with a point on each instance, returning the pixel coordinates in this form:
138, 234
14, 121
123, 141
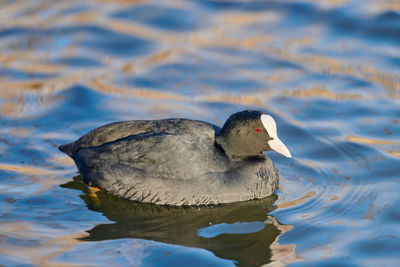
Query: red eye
258, 130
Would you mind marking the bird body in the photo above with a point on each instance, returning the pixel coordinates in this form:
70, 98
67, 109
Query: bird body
178, 161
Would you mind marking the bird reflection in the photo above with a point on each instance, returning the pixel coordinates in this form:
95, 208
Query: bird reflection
226, 230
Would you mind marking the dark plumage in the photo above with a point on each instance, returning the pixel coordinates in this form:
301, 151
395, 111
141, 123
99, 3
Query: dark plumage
179, 161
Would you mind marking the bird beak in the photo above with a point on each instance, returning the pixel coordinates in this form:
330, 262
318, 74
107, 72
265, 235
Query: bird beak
277, 145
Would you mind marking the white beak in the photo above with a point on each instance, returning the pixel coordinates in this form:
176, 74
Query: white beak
275, 144
279, 147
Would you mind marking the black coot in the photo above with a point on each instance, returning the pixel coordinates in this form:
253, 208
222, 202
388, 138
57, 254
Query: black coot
181, 162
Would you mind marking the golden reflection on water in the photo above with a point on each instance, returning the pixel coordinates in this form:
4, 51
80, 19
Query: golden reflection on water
38, 253
157, 94
322, 92
394, 153
62, 160
282, 254
366, 140
300, 200
172, 44
153, 94
20, 132
28, 170
47, 178
372, 212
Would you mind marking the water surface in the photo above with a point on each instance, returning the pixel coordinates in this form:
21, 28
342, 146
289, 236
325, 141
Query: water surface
328, 71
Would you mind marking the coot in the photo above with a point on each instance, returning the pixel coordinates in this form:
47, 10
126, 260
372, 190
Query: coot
181, 162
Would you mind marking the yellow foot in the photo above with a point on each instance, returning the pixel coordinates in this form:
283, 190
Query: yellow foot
93, 189
92, 194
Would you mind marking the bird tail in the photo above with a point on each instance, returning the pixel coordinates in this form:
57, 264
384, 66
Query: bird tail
67, 149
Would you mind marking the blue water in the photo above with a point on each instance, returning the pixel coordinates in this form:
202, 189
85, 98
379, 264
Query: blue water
327, 71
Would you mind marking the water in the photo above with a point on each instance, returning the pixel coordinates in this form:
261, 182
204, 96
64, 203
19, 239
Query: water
328, 71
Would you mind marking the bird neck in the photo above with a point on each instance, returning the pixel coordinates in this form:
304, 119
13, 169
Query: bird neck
233, 148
